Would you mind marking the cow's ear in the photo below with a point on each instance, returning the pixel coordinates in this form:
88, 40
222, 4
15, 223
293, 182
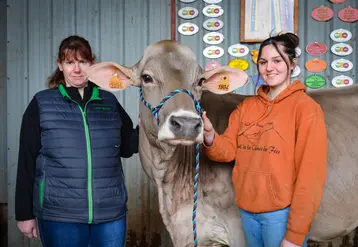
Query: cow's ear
224, 79
110, 76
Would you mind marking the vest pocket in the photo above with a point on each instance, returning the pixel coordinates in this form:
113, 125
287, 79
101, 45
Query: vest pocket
42, 191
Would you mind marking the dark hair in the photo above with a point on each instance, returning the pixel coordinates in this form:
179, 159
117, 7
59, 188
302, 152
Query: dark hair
71, 47
289, 42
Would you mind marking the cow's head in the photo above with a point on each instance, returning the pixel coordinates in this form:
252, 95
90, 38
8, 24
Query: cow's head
164, 67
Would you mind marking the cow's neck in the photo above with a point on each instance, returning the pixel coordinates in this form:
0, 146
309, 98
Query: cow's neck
172, 168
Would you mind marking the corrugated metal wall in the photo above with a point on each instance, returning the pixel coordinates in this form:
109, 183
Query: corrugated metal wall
3, 166
118, 31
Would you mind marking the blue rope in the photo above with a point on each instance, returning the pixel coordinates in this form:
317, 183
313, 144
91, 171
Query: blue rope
155, 112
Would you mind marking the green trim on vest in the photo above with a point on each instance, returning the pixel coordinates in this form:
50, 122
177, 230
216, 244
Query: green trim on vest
94, 96
42, 190
63, 91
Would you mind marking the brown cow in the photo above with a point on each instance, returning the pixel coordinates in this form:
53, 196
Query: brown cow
167, 153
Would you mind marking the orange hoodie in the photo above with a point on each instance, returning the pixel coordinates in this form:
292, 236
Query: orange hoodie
280, 148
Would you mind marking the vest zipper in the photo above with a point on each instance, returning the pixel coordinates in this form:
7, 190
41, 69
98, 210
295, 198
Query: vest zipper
95, 96
89, 161
89, 169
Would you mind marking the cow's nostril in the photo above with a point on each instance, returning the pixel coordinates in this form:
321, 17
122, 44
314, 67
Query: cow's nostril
198, 127
175, 124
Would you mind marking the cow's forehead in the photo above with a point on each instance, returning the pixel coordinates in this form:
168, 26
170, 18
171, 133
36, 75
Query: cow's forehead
170, 60
167, 46
177, 55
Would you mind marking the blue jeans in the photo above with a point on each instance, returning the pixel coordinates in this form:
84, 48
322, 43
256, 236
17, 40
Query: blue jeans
265, 229
62, 234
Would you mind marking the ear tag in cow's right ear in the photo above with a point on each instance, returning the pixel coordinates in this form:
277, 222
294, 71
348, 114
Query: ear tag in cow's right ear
115, 82
224, 84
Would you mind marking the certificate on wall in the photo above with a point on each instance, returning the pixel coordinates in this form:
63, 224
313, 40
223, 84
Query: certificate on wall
262, 18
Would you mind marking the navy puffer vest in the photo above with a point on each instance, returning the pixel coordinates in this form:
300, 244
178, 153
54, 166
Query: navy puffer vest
79, 176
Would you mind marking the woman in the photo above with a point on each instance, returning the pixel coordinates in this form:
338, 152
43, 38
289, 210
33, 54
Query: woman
70, 174
278, 141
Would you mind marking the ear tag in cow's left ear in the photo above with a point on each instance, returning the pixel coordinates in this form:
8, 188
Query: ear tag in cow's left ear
224, 80
224, 84
115, 82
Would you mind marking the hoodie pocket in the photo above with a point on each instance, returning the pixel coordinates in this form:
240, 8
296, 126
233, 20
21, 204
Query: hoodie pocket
254, 191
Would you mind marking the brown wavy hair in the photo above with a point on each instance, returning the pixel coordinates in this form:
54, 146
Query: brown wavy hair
71, 47
289, 43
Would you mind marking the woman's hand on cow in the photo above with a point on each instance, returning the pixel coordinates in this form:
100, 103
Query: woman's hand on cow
209, 132
28, 228
286, 243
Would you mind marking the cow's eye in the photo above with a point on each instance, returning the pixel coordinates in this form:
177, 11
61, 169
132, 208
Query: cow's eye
200, 82
147, 79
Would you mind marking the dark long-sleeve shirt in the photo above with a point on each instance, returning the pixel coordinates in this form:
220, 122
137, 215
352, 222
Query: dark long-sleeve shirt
30, 145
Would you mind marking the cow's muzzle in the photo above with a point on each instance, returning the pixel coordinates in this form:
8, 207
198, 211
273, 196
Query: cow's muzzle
185, 127
182, 127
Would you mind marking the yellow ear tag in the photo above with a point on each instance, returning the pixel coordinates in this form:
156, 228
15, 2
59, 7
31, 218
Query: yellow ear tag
224, 84
115, 82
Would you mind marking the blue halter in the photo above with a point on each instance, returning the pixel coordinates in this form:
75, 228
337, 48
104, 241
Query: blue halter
155, 112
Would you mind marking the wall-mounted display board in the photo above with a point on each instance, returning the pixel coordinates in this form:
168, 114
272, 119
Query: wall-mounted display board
258, 18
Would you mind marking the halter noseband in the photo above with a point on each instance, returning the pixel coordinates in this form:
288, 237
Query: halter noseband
155, 110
